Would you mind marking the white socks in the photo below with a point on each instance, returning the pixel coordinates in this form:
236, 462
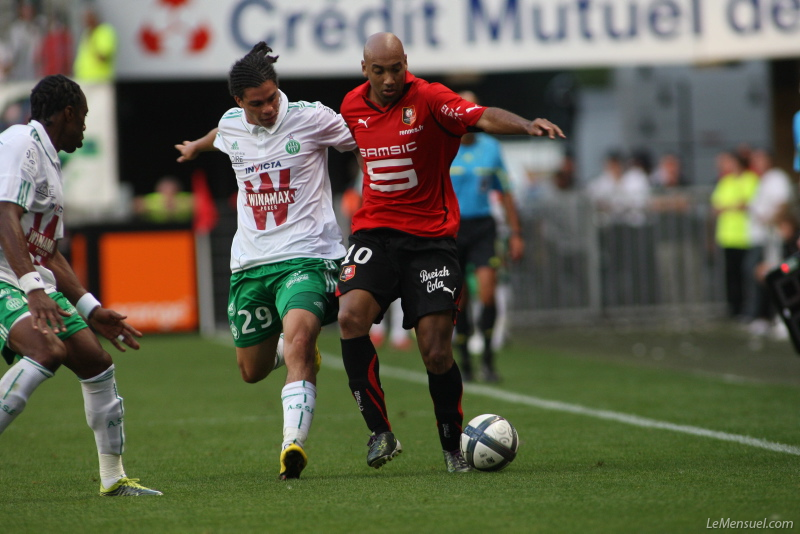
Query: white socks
16, 387
111, 469
104, 414
299, 401
104, 411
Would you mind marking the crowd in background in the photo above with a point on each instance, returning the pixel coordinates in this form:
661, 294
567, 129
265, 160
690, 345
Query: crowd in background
40, 44
643, 216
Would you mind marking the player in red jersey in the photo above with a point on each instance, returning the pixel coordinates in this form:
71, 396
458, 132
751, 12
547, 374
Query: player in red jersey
403, 244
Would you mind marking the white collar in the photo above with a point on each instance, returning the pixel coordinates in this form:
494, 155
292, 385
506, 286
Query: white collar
256, 128
46, 142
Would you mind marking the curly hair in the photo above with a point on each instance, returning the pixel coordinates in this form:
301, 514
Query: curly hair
53, 94
252, 70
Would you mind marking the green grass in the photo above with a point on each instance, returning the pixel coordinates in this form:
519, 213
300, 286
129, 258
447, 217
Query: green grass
210, 442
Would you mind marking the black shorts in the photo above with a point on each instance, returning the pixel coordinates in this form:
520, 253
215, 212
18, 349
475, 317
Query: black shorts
422, 272
476, 242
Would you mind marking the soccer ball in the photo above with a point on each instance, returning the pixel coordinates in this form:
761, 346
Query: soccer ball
489, 443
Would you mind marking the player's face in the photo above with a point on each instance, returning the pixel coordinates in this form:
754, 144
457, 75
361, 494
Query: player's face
386, 77
261, 104
75, 125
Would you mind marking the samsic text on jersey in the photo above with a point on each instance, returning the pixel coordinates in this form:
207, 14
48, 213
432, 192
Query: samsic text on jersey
407, 150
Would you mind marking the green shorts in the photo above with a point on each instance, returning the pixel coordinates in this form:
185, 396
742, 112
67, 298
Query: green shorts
260, 297
14, 305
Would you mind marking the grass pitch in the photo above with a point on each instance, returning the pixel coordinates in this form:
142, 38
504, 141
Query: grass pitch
621, 431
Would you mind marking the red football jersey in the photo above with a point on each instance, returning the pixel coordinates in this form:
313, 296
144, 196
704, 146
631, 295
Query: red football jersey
407, 149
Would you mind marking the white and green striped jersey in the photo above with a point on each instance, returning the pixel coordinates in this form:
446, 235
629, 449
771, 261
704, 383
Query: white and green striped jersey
30, 176
284, 204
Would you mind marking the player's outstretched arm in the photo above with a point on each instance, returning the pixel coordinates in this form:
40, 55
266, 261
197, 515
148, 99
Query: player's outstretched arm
500, 121
191, 149
46, 314
107, 323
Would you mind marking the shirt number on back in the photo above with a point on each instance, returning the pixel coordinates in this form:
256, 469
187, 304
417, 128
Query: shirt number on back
395, 180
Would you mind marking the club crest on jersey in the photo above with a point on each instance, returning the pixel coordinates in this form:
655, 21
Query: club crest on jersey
409, 115
348, 272
292, 146
14, 304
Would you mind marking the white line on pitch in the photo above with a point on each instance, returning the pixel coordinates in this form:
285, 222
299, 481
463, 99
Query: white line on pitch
635, 420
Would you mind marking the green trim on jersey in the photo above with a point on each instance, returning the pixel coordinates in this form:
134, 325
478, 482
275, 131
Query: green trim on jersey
302, 104
233, 114
24, 193
261, 297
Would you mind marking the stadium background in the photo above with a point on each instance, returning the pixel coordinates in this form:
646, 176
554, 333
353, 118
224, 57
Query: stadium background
728, 74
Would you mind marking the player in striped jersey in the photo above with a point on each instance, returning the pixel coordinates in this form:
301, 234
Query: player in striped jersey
284, 256
39, 292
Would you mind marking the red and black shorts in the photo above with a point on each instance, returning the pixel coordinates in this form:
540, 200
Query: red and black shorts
423, 272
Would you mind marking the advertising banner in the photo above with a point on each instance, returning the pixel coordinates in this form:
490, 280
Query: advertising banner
323, 38
133, 280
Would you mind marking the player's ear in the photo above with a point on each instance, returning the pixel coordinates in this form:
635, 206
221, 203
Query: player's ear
239, 101
364, 68
69, 113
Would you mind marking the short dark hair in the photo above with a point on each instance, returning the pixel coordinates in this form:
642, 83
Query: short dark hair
53, 94
252, 70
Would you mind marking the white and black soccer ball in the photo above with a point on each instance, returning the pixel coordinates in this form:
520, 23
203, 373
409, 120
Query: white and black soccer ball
489, 442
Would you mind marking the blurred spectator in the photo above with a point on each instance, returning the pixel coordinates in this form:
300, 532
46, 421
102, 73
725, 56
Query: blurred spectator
730, 199
678, 271
560, 213
745, 153
16, 111
97, 50
5, 62
24, 39
55, 52
620, 197
167, 204
772, 199
668, 173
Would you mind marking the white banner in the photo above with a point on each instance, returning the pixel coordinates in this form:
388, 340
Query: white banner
316, 38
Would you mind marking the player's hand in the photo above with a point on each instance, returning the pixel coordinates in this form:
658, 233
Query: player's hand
188, 150
112, 326
542, 127
46, 314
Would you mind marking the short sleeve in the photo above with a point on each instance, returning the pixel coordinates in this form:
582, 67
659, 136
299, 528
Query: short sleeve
454, 113
333, 130
19, 166
219, 142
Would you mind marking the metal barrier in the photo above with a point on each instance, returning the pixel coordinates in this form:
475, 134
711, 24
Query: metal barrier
582, 266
